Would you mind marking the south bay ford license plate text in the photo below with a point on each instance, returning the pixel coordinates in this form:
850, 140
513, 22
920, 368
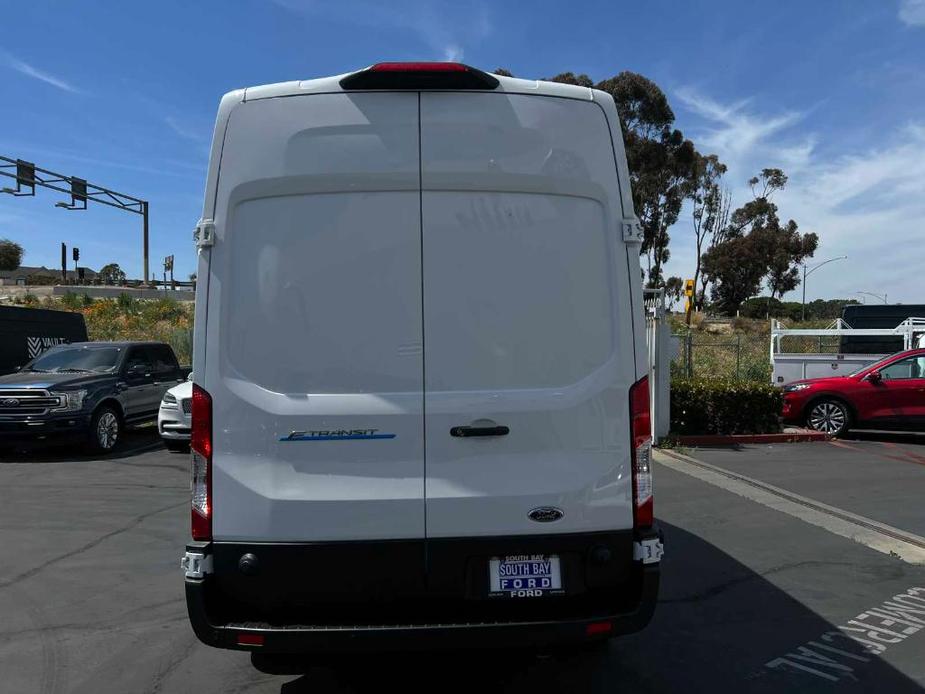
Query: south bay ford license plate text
524, 575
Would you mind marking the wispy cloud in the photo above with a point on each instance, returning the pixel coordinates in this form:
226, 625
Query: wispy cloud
737, 132
9, 218
33, 72
173, 168
184, 130
444, 30
868, 205
912, 12
453, 53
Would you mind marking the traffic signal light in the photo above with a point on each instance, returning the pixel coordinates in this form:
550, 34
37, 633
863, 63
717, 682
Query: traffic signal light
25, 177
76, 254
688, 287
78, 191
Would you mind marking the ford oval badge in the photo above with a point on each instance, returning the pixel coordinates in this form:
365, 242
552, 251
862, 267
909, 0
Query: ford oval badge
545, 514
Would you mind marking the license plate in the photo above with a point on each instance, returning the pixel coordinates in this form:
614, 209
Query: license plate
525, 575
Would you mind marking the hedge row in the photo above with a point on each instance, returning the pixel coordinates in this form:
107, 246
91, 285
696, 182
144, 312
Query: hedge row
713, 406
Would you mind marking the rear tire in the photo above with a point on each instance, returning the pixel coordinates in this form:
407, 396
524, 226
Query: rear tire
830, 416
105, 430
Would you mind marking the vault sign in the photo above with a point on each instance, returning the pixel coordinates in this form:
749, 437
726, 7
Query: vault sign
38, 345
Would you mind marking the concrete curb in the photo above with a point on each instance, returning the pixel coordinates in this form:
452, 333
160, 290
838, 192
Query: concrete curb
794, 436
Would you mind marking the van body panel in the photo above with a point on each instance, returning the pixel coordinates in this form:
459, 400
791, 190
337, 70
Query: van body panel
525, 286
631, 250
315, 347
389, 266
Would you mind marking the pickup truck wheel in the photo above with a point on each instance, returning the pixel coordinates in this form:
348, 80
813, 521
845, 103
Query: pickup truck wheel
830, 416
105, 429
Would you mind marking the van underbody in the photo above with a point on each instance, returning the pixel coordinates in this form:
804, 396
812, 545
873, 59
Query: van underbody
346, 596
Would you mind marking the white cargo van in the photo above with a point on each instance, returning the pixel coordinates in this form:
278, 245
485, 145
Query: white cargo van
420, 411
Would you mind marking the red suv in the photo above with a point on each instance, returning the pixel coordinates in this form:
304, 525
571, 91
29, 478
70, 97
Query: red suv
889, 394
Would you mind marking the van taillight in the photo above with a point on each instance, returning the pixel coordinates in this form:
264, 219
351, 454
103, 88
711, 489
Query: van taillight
419, 75
201, 464
641, 428
419, 67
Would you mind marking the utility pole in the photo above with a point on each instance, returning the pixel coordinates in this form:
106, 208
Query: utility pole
63, 263
144, 216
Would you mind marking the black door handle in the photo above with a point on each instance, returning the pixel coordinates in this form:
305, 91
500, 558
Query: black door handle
480, 431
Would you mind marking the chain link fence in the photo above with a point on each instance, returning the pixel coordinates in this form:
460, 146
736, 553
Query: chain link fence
737, 356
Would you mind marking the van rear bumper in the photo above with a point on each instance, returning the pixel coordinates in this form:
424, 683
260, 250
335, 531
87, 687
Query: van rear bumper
311, 639
433, 623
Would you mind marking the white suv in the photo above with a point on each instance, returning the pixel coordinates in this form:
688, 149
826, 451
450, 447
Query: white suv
420, 410
174, 417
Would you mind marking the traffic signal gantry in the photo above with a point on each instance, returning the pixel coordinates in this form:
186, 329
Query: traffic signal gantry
28, 176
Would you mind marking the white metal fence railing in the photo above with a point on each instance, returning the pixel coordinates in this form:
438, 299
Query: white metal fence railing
661, 348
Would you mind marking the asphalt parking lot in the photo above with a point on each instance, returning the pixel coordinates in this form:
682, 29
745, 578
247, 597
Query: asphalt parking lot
766, 587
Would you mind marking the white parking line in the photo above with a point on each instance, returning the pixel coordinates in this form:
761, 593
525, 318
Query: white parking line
890, 622
878, 536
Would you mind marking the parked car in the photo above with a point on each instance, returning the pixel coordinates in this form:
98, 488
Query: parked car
87, 390
888, 394
406, 257
174, 417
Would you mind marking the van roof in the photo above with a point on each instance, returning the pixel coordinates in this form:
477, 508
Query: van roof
322, 85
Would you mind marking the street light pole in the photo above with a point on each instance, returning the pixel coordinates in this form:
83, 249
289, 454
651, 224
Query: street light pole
144, 216
807, 273
803, 305
876, 296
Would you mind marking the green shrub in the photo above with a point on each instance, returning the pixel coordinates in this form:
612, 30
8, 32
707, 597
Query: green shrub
71, 301
166, 308
715, 406
181, 339
128, 304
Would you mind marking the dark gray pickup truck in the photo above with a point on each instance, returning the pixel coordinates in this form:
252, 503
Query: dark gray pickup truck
87, 390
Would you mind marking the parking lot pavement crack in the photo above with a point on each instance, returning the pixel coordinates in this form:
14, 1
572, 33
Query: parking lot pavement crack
5, 583
713, 591
181, 650
181, 468
103, 625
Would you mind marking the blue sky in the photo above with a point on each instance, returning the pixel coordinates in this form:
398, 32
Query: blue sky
124, 94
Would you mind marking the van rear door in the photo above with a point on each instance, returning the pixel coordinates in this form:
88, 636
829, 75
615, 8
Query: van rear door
527, 317
314, 329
